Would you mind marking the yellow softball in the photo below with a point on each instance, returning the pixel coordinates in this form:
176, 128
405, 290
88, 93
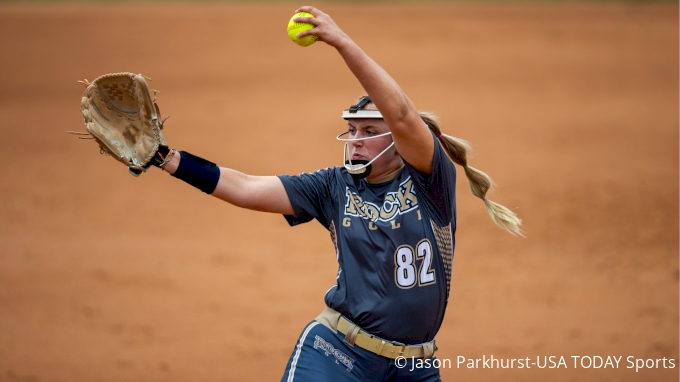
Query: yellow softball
295, 28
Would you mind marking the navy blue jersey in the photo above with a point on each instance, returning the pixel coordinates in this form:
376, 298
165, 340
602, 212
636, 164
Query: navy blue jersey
394, 244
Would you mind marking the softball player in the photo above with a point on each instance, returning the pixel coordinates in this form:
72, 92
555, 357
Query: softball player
391, 214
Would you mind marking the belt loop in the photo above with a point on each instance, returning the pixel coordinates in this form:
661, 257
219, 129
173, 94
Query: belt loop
351, 335
428, 350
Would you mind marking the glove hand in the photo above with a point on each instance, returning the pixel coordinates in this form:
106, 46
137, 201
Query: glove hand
121, 116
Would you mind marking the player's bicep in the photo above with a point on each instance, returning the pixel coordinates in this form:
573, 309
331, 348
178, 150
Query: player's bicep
259, 193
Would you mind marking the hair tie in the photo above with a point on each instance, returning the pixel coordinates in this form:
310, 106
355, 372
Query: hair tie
440, 135
465, 165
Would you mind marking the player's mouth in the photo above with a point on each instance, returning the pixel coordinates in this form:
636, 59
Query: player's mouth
358, 156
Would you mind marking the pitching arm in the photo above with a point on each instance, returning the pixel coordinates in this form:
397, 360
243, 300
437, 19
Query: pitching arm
411, 135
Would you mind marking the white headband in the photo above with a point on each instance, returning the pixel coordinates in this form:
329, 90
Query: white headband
374, 114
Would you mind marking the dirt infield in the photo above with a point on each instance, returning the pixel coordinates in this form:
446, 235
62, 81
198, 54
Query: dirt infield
572, 109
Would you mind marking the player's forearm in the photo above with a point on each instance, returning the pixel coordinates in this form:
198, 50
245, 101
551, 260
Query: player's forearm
412, 137
259, 193
398, 111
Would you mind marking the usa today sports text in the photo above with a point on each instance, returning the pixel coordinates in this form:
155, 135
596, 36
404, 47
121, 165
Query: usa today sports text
540, 362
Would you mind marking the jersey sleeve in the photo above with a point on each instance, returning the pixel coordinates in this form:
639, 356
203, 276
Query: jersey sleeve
310, 196
439, 187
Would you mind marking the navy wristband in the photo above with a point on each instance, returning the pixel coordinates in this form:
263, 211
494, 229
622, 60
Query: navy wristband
198, 172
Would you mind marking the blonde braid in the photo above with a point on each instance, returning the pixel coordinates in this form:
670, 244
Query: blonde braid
457, 149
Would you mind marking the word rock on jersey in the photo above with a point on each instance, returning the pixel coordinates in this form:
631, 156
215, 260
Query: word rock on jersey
394, 244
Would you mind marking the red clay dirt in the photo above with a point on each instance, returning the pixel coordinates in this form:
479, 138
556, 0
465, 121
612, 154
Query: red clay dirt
572, 109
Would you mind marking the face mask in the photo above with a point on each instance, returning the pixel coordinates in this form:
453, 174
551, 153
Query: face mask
361, 168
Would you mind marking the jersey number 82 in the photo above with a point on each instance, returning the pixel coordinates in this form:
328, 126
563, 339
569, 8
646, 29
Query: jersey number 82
405, 273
